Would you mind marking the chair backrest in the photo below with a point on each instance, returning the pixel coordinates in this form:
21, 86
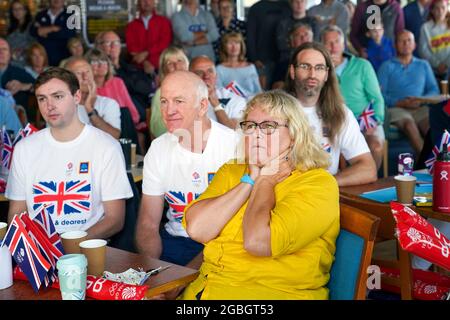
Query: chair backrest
386, 231
354, 246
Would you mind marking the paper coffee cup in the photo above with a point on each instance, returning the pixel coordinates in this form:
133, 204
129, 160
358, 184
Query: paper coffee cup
133, 154
95, 252
405, 187
444, 87
72, 274
71, 240
3, 229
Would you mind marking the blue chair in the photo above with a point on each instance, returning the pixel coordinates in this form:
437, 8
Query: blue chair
354, 247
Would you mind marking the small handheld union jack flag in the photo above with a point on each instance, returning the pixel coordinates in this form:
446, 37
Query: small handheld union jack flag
7, 149
326, 147
367, 118
25, 132
44, 222
429, 163
26, 253
234, 87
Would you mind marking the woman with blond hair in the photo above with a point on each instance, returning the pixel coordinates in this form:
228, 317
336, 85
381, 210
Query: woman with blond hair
171, 59
113, 87
76, 48
234, 67
268, 227
37, 59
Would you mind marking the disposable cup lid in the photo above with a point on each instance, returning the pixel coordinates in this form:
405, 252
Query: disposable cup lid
72, 259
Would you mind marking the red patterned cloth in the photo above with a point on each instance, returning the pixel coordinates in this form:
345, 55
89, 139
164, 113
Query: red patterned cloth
427, 285
101, 289
419, 237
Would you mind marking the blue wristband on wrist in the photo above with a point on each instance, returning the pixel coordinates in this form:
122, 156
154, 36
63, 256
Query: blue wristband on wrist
246, 179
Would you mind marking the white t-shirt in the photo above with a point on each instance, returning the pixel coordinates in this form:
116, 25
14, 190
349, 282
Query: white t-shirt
350, 141
180, 175
107, 108
70, 178
233, 104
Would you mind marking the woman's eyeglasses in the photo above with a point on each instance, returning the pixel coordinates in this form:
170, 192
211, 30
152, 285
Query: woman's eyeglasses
266, 127
99, 62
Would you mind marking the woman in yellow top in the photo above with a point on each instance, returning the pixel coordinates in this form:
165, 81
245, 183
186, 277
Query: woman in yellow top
269, 221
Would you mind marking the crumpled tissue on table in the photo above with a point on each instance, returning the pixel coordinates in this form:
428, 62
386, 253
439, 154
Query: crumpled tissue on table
131, 276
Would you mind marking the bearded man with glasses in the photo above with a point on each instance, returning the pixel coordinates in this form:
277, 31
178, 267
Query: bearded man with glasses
313, 81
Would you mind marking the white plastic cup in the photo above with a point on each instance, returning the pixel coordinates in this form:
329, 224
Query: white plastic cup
6, 274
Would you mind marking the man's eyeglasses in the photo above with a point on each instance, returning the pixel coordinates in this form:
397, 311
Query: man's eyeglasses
110, 43
99, 62
319, 68
266, 127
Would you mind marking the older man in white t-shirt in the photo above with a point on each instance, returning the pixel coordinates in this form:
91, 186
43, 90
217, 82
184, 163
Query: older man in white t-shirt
75, 171
98, 111
178, 167
225, 106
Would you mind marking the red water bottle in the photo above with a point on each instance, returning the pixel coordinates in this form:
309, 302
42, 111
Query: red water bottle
441, 181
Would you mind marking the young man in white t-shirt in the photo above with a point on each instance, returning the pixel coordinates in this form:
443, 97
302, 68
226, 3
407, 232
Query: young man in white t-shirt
101, 112
225, 107
178, 167
313, 81
76, 171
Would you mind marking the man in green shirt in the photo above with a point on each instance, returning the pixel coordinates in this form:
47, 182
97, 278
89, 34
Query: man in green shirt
359, 86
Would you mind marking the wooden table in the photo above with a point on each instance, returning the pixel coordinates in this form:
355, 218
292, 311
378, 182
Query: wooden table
116, 261
353, 193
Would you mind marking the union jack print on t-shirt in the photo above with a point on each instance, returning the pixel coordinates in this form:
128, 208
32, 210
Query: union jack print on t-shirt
62, 197
178, 202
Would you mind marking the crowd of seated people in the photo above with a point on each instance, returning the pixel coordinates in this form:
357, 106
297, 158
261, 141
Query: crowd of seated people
202, 90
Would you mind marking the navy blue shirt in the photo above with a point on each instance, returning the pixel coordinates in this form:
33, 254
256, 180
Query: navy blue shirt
56, 42
414, 20
235, 26
19, 74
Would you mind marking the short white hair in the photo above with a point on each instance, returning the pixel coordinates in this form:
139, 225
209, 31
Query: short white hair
202, 91
332, 28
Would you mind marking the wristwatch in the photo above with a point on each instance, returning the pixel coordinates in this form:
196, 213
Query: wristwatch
93, 112
246, 179
219, 107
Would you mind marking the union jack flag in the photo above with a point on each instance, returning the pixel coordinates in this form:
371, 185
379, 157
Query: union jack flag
429, 163
234, 87
7, 149
63, 197
26, 253
25, 132
178, 201
326, 147
367, 118
44, 222
43, 244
